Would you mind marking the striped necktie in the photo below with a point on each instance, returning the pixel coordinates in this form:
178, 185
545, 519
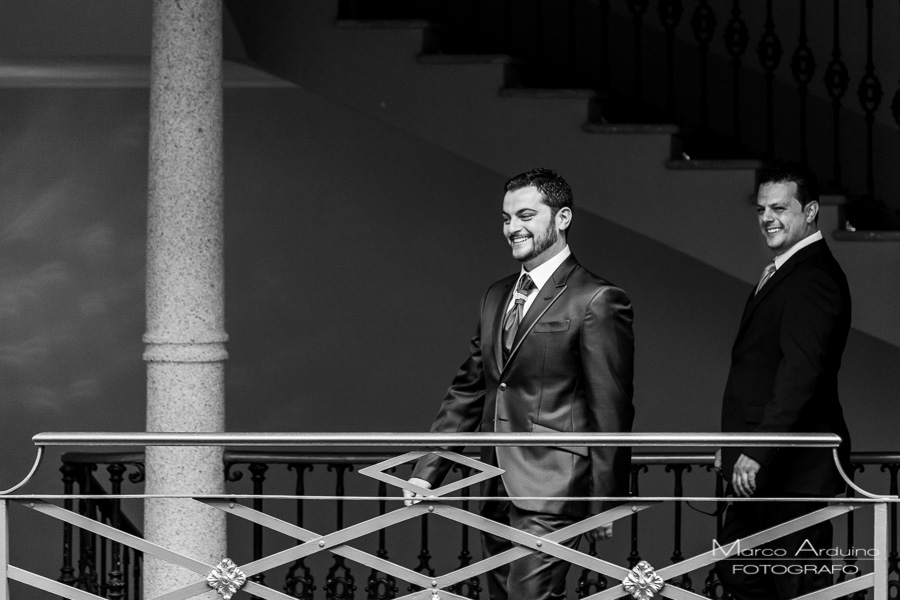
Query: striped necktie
766, 274
514, 314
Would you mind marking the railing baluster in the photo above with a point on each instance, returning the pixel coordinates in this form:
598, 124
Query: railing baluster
849, 559
736, 40
637, 8
126, 569
339, 584
769, 52
836, 81
116, 574
869, 93
302, 585
381, 586
470, 588
803, 67
87, 557
67, 572
604, 45
684, 581
138, 575
101, 564
894, 555
539, 31
572, 54
424, 557
589, 582
703, 24
634, 557
670, 12
508, 26
712, 587
258, 477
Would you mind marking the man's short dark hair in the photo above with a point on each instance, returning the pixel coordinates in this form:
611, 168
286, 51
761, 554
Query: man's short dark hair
552, 186
787, 172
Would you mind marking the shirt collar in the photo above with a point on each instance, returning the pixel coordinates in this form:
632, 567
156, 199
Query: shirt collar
540, 274
782, 258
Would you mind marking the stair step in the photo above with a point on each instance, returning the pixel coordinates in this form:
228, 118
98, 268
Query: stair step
867, 236
550, 93
468, 59
713, 165
647, 128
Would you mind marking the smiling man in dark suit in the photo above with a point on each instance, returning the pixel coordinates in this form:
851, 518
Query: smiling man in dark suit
784, 378
553, 351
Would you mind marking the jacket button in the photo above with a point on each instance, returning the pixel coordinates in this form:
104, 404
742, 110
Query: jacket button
503, 387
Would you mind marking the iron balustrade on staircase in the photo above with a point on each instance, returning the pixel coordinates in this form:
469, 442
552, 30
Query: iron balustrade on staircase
597, 578
651, 65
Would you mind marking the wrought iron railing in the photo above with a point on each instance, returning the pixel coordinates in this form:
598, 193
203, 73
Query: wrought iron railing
750, 79
356, 573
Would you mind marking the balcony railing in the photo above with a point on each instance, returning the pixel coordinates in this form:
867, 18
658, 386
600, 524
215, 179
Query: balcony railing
798, 80
365, 558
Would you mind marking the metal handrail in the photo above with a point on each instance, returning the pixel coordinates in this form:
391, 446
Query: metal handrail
782, 440
438, 440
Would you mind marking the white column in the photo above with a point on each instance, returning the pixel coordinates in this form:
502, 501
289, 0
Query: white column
185, 338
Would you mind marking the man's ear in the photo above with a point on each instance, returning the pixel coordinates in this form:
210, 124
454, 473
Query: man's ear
563, 218
811, 210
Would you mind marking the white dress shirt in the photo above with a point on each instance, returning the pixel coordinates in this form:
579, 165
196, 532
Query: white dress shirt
782, 258
539, 275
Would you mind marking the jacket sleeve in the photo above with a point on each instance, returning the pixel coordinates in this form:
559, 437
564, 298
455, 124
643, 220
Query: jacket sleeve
607, 354
461, 410
809, 326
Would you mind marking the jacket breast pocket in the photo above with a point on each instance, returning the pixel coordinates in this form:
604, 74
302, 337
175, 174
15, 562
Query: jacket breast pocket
551, 326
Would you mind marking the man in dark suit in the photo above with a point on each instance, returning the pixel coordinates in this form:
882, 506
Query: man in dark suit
784, 378
553, 351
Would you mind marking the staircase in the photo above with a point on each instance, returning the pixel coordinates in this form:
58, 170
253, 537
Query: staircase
634, 175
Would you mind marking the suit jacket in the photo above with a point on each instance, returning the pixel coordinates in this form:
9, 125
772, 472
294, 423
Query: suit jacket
784, 373
570, 370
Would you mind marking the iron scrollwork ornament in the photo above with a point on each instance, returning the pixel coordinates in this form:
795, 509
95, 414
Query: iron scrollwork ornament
226, 579
642, 582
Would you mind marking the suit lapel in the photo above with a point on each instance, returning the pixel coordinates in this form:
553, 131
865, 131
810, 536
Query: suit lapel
779, 276
547, 295
499, 314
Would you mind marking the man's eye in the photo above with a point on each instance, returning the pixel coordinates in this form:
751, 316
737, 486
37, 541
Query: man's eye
527, 217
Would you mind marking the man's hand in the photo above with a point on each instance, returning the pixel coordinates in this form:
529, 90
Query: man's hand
744, 476
411, 497
604, 532
717, 462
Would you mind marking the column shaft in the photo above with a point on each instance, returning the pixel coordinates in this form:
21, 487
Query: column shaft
185, 337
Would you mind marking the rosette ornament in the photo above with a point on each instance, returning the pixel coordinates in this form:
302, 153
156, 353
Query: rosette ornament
226, 579
642, 582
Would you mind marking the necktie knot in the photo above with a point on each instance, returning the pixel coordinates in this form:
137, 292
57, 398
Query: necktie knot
523, 289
